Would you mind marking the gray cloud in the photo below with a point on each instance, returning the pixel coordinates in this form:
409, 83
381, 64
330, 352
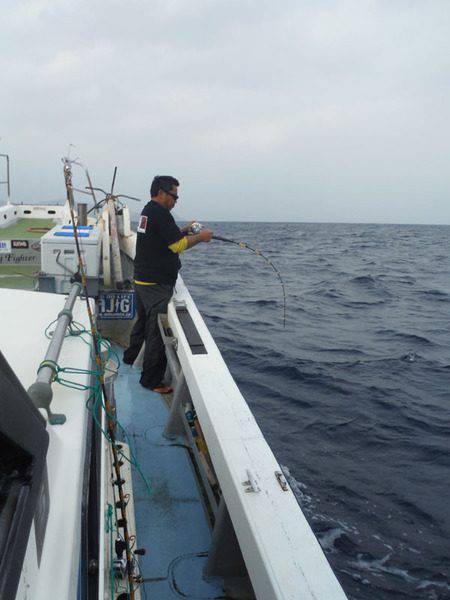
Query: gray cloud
300, 110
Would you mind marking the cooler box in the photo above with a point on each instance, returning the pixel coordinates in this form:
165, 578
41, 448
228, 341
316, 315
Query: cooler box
59, 252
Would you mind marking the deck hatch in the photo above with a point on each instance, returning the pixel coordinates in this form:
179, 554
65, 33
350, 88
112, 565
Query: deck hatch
190, 331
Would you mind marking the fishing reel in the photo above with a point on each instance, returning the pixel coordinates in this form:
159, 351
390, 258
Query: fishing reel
195, 228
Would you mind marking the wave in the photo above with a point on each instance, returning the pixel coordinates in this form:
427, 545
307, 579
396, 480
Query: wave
363, 304
406, 337
261, 302
437, 295
381, 566
366, 280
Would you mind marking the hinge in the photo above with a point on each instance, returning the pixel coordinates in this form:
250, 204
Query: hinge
251, 483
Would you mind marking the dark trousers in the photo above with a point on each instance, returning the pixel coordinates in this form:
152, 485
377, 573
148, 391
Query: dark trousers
150, 301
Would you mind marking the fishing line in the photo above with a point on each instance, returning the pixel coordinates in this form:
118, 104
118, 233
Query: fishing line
196, 227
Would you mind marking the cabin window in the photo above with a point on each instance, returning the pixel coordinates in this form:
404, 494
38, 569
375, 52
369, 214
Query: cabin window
27, 212
51, 212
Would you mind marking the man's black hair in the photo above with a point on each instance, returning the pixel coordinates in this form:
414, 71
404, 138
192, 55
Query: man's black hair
164, 183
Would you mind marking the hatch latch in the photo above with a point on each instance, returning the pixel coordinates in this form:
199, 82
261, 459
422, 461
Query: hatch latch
282, 481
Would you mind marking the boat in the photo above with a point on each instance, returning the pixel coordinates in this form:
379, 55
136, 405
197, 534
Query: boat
110, 491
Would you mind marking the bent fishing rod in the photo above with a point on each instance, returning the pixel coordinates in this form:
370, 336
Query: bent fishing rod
196, 227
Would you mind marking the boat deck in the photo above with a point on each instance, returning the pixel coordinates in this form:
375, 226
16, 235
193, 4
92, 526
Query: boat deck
17, 275
171, 523
26, 229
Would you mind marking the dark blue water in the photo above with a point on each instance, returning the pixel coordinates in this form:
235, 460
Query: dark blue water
354, 395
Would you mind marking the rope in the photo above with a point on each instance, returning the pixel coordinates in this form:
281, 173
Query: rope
110, 529
95, 397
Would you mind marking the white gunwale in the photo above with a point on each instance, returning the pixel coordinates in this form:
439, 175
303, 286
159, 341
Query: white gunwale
282, 555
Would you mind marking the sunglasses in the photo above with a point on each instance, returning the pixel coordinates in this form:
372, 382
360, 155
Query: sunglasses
174, 196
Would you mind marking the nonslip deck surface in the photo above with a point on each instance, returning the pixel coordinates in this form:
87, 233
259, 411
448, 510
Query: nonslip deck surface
20, 275
171, 524
26, 229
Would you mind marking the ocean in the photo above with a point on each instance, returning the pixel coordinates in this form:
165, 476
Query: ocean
353, 395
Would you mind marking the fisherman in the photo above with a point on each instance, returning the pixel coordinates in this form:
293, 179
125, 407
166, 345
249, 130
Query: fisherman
159, 243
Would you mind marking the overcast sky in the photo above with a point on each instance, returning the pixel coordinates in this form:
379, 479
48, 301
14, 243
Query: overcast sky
290, 110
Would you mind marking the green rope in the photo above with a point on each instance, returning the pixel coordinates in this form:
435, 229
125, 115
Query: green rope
109, 529
95, 397
74, 384
76, 329
133, 459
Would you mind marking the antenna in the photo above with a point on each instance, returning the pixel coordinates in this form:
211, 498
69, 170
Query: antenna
69, 150
114, 180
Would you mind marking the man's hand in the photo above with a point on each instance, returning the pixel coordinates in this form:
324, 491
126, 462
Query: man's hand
205, 235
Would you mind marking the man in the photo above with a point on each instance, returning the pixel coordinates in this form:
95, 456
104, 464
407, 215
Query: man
159, 243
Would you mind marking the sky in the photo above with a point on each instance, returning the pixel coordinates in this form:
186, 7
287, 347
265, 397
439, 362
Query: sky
293, 110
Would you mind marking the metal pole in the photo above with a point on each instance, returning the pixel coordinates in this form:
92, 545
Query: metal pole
40, 391
115, 247
82, 214
7, 179
8, 188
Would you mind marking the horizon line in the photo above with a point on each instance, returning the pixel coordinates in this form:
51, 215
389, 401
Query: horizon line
321, 222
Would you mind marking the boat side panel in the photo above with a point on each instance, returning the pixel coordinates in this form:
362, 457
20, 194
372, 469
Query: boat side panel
282, 555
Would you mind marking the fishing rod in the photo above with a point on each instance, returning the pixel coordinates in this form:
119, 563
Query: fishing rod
197, 227
75, 161
98, 360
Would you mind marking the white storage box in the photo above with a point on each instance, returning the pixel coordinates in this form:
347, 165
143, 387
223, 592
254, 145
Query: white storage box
59, 251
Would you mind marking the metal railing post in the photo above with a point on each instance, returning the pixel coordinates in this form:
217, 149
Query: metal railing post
175, 425
224, 556
8, 186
